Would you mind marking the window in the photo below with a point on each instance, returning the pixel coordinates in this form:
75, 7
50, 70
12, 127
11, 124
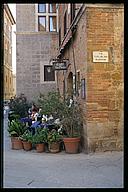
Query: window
69, 8
78, 80
42, 23
65, 22
46, 17
72, 12
10, 50
5, 23
41, 8
52, 8
6, 79
52, 23
10, 33
59, 36
49, 73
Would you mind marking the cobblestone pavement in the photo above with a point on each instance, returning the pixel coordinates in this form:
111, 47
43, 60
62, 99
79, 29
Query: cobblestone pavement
45, 170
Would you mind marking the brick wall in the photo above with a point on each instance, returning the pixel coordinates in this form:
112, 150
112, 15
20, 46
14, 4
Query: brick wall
105, 80
99, 29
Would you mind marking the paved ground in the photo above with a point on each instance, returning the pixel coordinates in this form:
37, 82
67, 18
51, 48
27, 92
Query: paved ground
45, 170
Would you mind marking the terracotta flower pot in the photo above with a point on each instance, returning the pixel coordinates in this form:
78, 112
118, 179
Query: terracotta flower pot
27, 145
54, 147
71, 144
40, 147
16, 143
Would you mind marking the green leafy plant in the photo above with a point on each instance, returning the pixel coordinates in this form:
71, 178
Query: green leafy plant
27, 136
51, 104
72, 120
16, 128
70, 115
14, 116
54, 136
40, 135
20, 106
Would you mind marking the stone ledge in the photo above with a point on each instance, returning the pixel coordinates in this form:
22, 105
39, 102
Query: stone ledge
104, 144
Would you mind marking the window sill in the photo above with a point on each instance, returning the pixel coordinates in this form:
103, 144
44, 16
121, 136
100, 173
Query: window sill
48, 82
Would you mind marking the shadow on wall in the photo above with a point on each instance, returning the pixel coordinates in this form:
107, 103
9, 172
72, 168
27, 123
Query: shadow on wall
84, 141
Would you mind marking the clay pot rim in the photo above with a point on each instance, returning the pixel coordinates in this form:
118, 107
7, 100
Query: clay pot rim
26, 141
72, 139
16, 138
39, 143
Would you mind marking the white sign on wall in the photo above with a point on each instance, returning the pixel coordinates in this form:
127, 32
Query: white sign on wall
100, 56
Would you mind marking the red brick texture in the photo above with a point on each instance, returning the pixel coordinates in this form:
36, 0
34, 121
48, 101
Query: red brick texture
99, 29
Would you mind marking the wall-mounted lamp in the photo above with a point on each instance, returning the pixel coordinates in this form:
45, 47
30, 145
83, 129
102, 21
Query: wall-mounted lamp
48, 69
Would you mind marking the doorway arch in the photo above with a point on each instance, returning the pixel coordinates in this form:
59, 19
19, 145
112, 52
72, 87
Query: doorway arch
70, 84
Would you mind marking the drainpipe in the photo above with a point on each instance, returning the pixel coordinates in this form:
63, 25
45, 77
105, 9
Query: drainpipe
64, 87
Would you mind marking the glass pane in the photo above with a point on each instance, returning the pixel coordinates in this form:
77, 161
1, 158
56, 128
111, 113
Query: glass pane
52, 8
42, 8
41, 24
65, 22
52, 23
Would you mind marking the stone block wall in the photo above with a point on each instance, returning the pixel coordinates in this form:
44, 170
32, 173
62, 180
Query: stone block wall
25, 17
33, 52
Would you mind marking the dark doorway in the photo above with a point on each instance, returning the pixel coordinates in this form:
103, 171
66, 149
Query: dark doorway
70, 84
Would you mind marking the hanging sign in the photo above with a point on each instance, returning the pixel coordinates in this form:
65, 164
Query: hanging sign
60, 65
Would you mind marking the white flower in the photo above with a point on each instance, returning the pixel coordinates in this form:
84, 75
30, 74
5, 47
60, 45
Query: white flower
71, 101
44, 118
57, 121
50, 118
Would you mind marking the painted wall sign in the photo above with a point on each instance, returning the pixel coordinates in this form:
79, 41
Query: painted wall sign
100, 56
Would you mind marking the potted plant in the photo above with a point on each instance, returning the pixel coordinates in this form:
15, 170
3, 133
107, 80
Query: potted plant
27, 139
54, 140
16, 129
51, 104
70, 116
40, 138
19, 105
12, 116
72, 123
